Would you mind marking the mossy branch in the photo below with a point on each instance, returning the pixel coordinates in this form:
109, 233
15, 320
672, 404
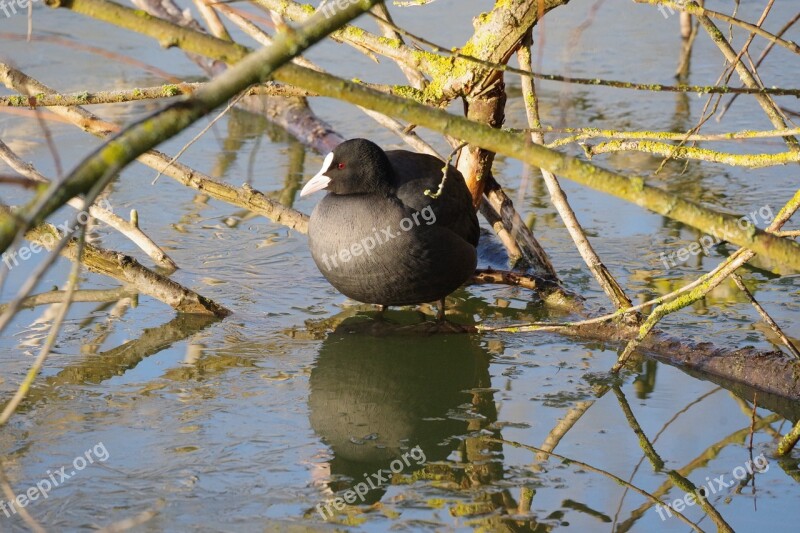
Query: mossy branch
125, 269
581, 134
133, 95
163, 31
789, 441
705, 283
502, 67
689, 152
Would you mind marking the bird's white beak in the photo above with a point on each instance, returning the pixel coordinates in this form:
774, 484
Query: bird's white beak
320, 180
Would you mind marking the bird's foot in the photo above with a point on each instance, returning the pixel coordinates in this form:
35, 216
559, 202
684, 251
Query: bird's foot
440, 313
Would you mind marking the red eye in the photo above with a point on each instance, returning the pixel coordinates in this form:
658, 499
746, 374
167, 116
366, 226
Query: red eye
340, 166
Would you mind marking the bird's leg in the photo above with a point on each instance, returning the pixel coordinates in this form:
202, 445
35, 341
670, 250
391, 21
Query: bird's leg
381, 310
440, 313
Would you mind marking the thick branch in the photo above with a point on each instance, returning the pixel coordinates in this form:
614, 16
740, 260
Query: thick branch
129, 271
141, 93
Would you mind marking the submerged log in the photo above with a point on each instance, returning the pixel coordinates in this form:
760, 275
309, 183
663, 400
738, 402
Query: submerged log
772, 372
744, 370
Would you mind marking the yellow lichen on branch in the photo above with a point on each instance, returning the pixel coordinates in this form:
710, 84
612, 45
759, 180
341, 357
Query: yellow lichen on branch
690, 152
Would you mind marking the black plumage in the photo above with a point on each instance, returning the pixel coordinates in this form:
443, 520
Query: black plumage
378, 238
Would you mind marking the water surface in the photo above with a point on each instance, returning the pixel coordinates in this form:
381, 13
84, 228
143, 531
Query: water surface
252, 422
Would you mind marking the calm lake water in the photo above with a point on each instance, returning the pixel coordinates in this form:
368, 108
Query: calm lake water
257, 421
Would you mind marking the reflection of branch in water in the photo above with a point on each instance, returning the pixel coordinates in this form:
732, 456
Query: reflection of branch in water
294, 174
591, 468
749, 412
136, 520
583, 508
30, 336
98, 368
561, 429
655, 439
104, 329
678, 477
242, 128
8, 491
551, 441
84, 295
738, 437
52, 336
109, 263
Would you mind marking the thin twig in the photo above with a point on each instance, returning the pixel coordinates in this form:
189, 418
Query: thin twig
96, 50
652, 87
445, 168
36, 367
131, 231
699, 11
603, 276
761, 58
768, 319
8, 492
243, 197
200, 134
591, 468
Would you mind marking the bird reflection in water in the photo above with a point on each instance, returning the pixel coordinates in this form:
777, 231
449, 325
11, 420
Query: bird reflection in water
378, 393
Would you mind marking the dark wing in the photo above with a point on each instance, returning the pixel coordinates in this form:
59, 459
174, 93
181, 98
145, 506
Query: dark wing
414, 173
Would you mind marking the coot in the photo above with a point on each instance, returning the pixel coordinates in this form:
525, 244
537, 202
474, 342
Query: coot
378, 238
